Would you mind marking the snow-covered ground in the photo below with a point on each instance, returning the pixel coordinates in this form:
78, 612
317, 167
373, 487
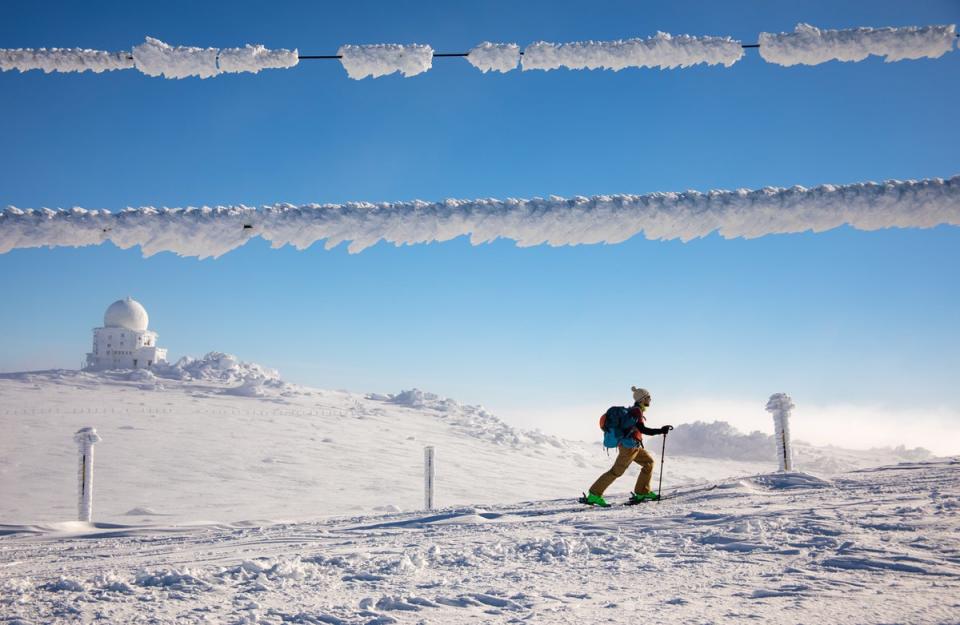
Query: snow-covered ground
216, 439
224, 495
874, 546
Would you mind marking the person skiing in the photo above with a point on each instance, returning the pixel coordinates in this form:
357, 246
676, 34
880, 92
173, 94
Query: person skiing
630, 449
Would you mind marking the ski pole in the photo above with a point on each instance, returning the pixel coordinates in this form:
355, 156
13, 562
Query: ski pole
663, 453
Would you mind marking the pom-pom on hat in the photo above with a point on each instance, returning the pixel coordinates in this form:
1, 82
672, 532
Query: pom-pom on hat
640, 395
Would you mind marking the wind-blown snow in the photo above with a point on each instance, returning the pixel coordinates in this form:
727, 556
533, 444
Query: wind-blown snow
663, 50
808, 45
494, 57
385, 58
156, 58
211, 232
253, 58
63, 60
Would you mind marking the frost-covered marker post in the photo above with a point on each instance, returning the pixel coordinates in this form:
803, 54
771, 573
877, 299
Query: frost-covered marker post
780, 406
85, 438
428, 474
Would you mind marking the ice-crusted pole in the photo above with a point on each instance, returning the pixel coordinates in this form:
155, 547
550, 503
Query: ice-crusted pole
780, 406
85, 438
428, 475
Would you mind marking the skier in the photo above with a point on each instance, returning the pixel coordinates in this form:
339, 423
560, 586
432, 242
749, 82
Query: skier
630, 449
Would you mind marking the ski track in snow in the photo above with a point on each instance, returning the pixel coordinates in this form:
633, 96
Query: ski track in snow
873, 546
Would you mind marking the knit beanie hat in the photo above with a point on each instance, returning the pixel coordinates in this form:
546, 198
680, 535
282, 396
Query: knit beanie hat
640, 395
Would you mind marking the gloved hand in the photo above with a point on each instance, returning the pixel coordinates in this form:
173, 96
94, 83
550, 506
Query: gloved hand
666, 429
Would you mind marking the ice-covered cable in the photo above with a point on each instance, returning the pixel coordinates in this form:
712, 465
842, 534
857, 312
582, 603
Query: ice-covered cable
253, 58
494, 57
63, 60
156, 58
808, 45
385, 58
554, 221
663, 51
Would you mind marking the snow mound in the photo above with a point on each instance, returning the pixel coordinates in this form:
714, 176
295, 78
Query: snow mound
474, 421
494, 57
808, 45
789, 480
63, 60
663, 51
250, 379
385, 58
216, 367
554, 221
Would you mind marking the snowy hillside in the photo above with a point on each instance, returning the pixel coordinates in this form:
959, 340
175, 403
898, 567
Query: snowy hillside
216, 439
875, 546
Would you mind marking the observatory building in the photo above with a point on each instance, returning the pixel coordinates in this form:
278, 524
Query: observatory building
124, 341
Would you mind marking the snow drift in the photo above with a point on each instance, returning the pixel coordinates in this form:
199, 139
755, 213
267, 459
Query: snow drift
663, 51
385, 58
808, 45
63, 60
211, 232
494, 57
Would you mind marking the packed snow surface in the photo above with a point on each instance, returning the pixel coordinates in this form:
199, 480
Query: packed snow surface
555, 221
494, 57
808, 45
63, 60
385, 58
787, 548
663, 51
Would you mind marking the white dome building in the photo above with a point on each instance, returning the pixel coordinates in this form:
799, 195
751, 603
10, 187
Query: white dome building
124, 342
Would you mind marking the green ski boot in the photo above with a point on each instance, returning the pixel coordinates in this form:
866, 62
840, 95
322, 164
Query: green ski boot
640, 498
594, 500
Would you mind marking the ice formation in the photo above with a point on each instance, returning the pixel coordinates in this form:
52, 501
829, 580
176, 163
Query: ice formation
385, 58
494, 57
663, 50
253, 58
780, 406
211, 232
808, 45
63, 60
156, 58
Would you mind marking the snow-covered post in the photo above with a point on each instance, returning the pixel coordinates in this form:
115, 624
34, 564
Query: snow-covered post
780, 406
428, 474
85, 439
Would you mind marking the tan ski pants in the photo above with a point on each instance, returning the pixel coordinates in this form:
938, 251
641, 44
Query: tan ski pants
625, 456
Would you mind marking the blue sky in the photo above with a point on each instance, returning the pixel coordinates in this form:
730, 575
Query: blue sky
859, 327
